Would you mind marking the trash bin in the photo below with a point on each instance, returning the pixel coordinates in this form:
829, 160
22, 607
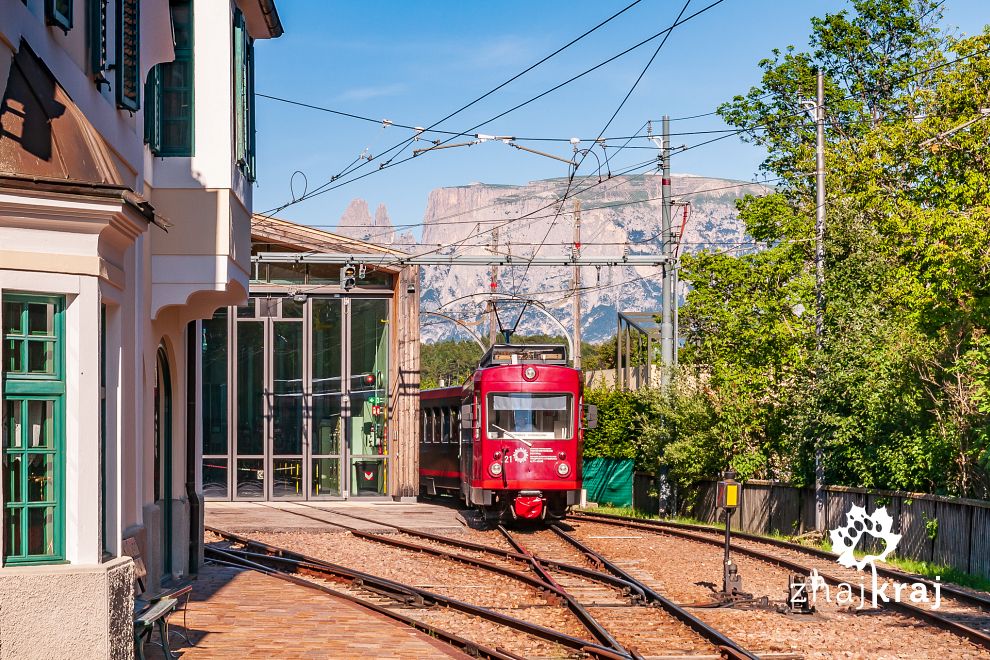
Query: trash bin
369, 477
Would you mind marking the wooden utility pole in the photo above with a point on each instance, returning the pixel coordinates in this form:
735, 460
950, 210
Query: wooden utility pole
577, 285
820, 279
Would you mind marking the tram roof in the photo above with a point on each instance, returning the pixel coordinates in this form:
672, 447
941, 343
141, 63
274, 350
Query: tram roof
500, 354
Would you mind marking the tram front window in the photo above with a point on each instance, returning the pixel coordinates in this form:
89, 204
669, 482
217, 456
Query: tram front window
529, 416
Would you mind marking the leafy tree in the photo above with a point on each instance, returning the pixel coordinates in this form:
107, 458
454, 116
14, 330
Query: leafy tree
896, 391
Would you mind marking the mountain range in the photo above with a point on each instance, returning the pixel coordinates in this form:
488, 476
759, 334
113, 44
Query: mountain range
621, 215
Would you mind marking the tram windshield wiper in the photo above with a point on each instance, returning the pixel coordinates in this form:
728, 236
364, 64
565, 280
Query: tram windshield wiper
513, 436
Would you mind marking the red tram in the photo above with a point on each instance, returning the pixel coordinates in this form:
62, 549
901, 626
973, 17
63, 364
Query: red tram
510, 440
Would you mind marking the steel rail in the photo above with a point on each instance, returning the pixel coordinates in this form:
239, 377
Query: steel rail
480, 650
725, 644
319, 568
975, 599
630, 589
972, 634
584, 616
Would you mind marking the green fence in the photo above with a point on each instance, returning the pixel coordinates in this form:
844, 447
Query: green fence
609, 480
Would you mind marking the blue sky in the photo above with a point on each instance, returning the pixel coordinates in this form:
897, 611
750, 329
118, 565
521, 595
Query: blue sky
415, 62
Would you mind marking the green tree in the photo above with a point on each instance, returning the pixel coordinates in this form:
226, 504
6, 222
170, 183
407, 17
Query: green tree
897, 392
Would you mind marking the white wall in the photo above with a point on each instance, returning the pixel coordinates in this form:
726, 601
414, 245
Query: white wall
66, 56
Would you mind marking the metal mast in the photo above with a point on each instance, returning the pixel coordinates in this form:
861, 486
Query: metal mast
820, 279
493, 285
577, 284
667, 324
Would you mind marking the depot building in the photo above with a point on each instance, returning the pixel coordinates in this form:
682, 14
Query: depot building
311, 387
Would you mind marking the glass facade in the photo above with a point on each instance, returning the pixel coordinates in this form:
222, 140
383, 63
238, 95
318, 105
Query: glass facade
308, 398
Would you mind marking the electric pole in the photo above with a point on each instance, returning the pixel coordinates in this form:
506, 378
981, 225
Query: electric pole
493, 285
819, 279
577, 285
666, 324
675, 265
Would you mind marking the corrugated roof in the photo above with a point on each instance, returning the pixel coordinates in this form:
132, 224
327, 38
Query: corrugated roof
43, 134
309, 239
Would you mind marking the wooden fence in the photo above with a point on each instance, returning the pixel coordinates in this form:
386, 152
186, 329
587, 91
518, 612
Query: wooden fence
943, 530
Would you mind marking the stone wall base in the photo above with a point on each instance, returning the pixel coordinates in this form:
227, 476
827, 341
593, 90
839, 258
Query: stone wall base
67, 611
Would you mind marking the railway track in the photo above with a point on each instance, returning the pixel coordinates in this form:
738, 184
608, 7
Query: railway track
616, 589
406, 603
666, 628
962, 612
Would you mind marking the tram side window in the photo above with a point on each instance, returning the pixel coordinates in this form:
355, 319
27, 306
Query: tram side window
424, 416
445, 433
432, 435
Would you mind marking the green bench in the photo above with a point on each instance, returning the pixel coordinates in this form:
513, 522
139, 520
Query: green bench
150, 613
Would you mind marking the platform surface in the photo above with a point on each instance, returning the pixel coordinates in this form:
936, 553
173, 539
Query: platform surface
243, 614
245, 517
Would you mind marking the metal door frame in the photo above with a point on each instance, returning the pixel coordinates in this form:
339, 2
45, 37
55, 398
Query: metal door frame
309, 395
269, 407
346, 398
233, 414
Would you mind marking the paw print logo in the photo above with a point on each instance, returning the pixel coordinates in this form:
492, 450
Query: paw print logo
878, 525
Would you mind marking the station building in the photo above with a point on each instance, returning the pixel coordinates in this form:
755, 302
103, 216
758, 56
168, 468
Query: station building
126, 170
311, 387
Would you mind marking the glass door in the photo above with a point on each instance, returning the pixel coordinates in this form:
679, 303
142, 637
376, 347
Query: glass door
286, 405
326, 423
368, 397
250, 438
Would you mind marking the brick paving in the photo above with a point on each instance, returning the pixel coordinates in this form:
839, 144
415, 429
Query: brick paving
244, 614
247, 517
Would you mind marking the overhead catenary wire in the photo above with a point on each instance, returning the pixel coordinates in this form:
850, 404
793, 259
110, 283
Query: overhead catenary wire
464, 107
622, 104
330, 185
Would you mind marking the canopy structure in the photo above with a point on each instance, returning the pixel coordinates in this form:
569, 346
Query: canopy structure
637, 339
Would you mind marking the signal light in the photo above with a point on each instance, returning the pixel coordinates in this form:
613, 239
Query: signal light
348, 277
563, 469
369, 379
495, 469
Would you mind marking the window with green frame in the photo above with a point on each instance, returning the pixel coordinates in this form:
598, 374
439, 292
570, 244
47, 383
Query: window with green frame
58, 13
33, 428
169, 92
244, 129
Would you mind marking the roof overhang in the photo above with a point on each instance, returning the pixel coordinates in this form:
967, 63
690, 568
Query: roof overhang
262, 18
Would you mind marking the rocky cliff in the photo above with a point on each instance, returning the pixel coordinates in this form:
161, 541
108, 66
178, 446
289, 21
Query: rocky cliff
621, 214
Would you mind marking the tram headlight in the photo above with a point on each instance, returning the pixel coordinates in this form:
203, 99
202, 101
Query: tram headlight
495, 469
563, 469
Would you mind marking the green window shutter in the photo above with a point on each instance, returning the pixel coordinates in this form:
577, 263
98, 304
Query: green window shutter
33, 430
152, 111
127, 66
240, 88
59, 14
243, 97
96, 39
249, 112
